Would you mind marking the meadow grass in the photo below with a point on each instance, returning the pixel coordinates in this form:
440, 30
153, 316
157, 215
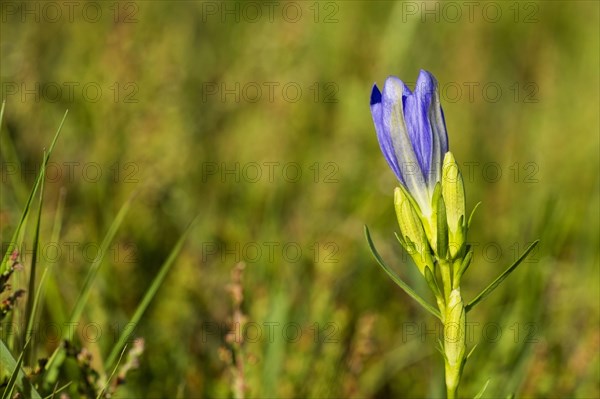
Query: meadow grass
179, 133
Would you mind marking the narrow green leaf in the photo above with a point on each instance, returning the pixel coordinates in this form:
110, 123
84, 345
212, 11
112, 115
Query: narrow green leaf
48, 287
473, 213
53, 365
471, 351
59, 354
150, 294
32, 297
41, 287
108, 380
2, 112
482, 390
93, 271
10, 386
463, 267
57, 390
14, 239
398, 280
488, 290
8, 362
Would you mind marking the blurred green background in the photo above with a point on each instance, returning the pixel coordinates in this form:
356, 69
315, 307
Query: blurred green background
255, 117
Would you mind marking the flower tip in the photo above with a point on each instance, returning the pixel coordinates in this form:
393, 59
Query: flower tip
449, 158
375, 95
425, 74
426, 81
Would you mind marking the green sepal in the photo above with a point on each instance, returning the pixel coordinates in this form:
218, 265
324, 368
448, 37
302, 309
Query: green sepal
464, 265
442, 227
421, 259
435, 288
410, 198
440, 348
430, 224
400, 240
432, 282
394, 276
488, 290
457, 239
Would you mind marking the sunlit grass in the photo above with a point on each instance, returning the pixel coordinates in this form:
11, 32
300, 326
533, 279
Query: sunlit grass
369, 340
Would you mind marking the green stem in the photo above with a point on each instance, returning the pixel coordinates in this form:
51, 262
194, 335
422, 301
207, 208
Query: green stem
446, 278
455, 326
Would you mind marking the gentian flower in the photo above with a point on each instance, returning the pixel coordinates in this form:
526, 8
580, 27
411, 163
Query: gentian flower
412, 134
430, 206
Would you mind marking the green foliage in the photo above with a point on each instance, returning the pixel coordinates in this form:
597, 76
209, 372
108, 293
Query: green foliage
361, 335
89, 382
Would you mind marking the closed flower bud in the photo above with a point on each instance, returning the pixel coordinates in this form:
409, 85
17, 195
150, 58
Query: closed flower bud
412, 135
453, 192
411, 229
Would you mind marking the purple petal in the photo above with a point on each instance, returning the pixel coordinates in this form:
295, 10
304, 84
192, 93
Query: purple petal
383, 136
435, 114
395, 94
417, 121
375, 95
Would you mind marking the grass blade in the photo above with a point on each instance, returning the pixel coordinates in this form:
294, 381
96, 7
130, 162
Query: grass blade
10, 386
482, 391
8, 362
93, 271
398, 280
57, 390
30, 309
59, 354
41, 287
150, 293
25, 212
472, 213
48, 286
488, 290
109, 379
